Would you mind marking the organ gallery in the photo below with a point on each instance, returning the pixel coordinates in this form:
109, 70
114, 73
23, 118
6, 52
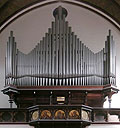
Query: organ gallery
61, 79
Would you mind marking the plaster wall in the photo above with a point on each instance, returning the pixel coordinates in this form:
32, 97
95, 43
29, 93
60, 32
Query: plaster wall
14, 126
29, 29
91, 126
104, 126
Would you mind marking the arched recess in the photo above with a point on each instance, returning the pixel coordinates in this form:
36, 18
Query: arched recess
39, 3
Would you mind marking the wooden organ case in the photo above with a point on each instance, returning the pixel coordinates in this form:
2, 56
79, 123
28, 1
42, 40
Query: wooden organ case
60, 70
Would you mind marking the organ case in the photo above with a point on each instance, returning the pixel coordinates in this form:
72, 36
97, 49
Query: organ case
60, 62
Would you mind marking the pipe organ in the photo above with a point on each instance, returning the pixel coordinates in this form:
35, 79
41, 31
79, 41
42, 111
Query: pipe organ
60, 59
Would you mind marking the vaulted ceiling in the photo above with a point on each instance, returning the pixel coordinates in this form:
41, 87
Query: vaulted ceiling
10, 7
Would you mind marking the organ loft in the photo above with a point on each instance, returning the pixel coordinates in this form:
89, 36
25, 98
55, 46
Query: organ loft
61, 79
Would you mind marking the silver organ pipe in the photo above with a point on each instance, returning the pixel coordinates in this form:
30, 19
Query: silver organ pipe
76, 56
60, 59
78, 64
63, 53
56, 46
67, 53
40, 72
49, 57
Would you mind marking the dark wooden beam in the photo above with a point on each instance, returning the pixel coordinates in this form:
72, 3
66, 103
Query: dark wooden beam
3, 2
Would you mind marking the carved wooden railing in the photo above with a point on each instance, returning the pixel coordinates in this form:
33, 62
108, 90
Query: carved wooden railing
59, 113
13, 116
106, 115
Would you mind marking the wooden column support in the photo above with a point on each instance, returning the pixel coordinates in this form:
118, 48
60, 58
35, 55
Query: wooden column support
110, 100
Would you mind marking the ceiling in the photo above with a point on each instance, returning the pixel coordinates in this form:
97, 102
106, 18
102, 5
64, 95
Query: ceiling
8, 8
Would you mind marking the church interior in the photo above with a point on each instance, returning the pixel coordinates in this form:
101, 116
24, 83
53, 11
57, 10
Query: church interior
59, 63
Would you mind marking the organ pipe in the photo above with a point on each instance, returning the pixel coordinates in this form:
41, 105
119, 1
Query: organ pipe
60, 59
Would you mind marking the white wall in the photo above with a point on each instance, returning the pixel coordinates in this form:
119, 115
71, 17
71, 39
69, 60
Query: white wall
104, 126
91, 126
14, 126
30, 28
